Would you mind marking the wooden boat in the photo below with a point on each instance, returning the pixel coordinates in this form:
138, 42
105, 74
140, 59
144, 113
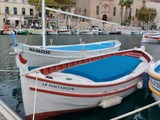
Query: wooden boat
153, 37
154, 82
55, 54
6, 30
64, 30
100, 80
52, 31
115, 32
22, 31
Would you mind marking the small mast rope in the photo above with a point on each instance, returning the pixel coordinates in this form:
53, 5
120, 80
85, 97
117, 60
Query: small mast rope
5, 51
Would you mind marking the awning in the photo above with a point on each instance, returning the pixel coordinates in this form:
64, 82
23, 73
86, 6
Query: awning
15, 18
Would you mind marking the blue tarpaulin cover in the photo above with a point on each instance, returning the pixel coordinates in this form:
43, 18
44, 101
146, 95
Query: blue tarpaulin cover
107, 69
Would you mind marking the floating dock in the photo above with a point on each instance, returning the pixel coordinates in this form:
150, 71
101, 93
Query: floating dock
6, 113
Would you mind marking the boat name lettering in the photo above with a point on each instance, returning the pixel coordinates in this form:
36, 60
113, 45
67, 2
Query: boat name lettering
155, 84
39, 51
58, 86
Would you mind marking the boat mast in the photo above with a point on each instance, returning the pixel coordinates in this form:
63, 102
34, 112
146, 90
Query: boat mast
43, 24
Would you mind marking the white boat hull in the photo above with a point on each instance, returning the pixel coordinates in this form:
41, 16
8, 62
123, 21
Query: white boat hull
58, 92
152, 37
37, 56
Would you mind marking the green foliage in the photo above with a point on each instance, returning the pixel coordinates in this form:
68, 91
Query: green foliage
65, 1
51, 3
37, 3
147, 14
121, 3
127, 4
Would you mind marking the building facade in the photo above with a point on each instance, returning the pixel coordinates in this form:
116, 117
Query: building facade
13, 11
110, 10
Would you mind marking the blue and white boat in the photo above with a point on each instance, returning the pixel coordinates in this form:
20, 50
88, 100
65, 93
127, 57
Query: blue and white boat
39, 56
100, 80
154, 82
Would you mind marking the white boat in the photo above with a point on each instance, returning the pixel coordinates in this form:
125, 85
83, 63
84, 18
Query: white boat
75, 32
52, 31
154, 82
36, 31
152, 37
103, 32
64, 30
6, 30
55, 54
44, 55
115, 31
100, 80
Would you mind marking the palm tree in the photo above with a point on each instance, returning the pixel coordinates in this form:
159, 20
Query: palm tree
121, 3
127, 4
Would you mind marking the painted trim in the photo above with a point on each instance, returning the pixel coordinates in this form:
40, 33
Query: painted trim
81, 95
82, 85
153, 90
152, 74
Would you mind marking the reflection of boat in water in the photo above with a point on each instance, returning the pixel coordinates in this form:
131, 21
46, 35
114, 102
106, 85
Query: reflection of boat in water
76, 85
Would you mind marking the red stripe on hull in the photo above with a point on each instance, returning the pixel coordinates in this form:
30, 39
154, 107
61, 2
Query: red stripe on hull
81, 85
82, 95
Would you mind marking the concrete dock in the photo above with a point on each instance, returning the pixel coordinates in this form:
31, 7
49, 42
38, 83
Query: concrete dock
6, 113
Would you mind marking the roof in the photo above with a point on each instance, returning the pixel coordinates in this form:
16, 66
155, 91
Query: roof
107, 69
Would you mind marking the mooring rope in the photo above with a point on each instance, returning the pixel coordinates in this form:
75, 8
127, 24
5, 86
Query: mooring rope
9, 70
137, 110
5, 51
35, 97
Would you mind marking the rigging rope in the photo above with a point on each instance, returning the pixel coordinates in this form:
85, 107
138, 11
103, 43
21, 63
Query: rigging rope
35, 97
137, 110
9, 70
5, 51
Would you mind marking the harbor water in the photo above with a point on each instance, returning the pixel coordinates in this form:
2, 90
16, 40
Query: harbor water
10, 89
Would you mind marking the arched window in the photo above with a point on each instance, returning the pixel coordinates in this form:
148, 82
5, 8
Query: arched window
114, 11
136, 13
97, 10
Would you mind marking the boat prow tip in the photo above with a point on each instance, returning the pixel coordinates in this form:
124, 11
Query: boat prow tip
22, 59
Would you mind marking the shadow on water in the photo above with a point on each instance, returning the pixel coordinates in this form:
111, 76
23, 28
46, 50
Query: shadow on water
138, 99
10, 90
